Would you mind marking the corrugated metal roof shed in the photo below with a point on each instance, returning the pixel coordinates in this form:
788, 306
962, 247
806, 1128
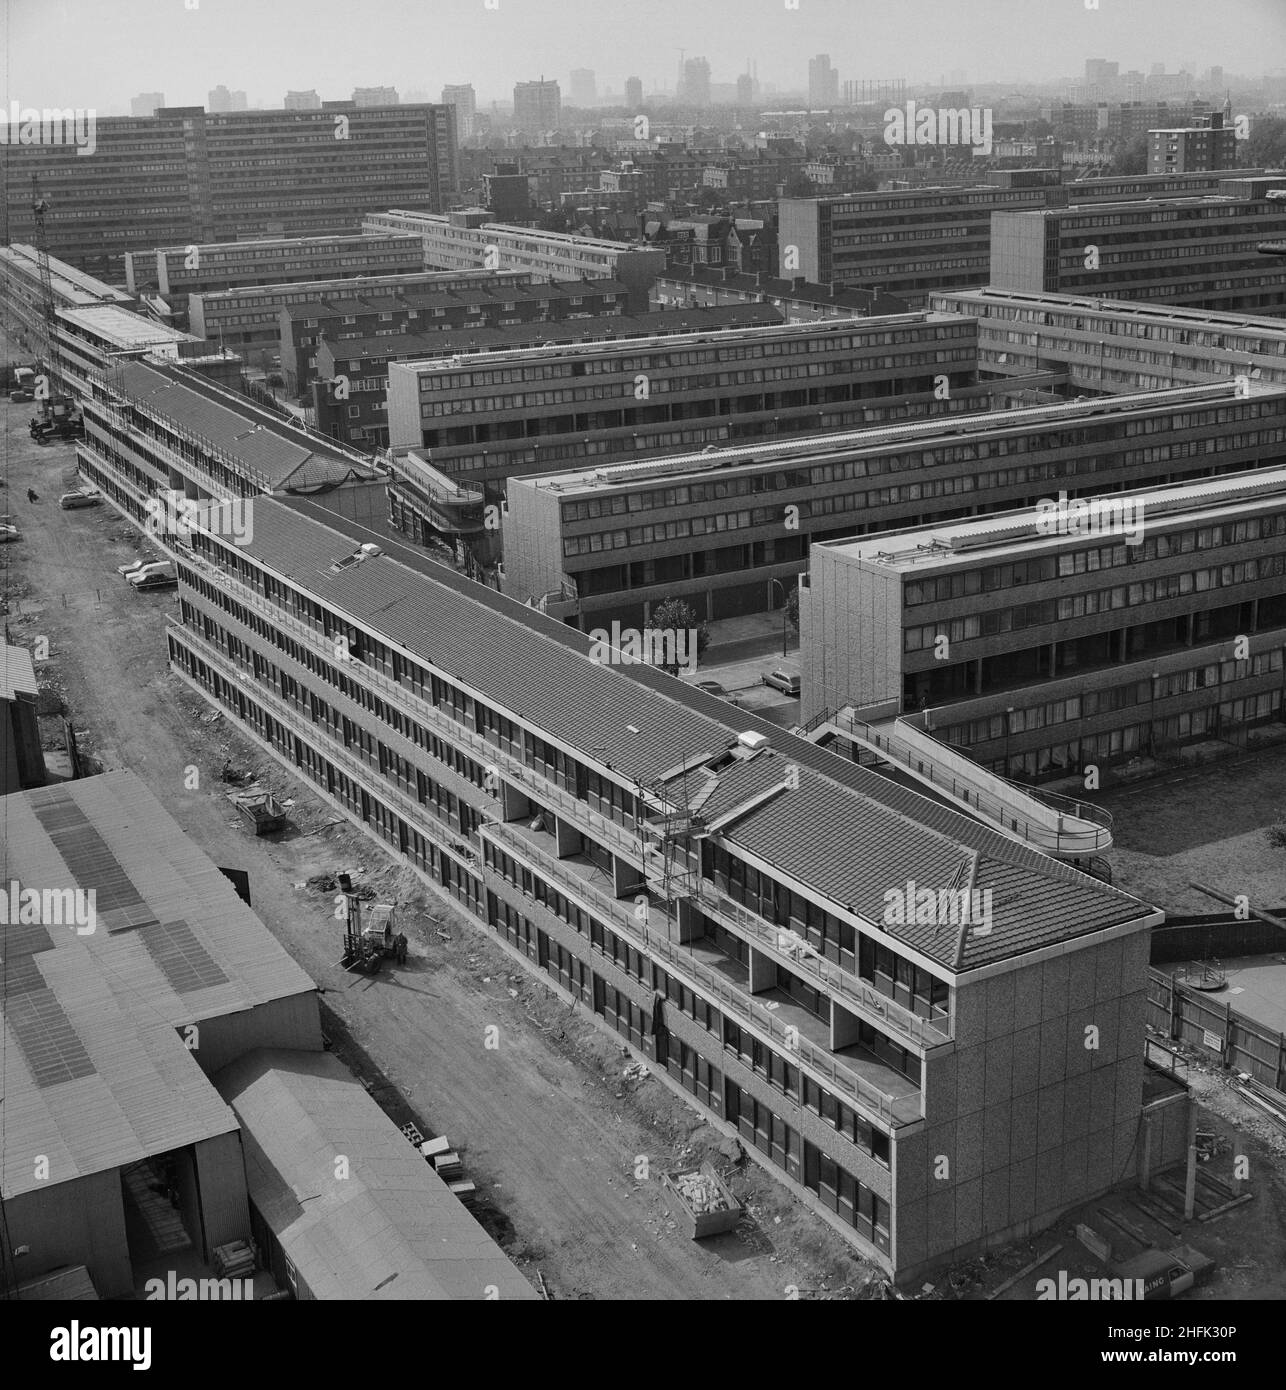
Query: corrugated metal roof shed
390, 1228
96, 1074
17, 674
845, 831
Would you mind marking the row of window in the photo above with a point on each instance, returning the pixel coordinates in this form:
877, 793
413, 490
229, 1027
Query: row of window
1096, 601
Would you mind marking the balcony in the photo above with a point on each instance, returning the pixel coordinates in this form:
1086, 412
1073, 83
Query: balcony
853, 1072
796, 954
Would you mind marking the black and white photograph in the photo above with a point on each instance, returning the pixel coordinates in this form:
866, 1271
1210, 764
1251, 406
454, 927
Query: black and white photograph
644, 661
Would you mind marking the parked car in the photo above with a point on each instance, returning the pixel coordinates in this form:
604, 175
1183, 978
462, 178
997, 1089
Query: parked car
139, 568
154, 581
21, 397
9, 533
146, 576
712, 688
784, 681
80, 497
1167, 1273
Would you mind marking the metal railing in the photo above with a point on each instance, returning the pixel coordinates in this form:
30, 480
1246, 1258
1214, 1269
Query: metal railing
620, 913
1092, 836
869, 1001
852, 988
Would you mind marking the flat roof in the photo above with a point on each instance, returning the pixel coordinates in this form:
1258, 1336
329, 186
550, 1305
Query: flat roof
1163, 205
288, 242
1256, 987
882, 438
359, 301
554, 239
17, 674
1003, 535
845, 831
1198, 319
69, 283
124, 329
269, 448
716, 338
390, 1228
95, 1071
569, 332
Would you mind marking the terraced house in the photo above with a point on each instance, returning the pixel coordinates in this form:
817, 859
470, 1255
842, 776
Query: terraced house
714, 889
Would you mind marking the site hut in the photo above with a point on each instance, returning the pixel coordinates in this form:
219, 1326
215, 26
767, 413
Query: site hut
20, 746
714, 891
726, 530
1115, 346
485, 419
1075, 634
388, 1228
116, 1014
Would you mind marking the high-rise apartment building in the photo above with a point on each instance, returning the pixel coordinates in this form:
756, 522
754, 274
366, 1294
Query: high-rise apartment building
537, 106
303, 101
146, 103
634, 92
462, 96
185, 176
221, 100
694, 83
375, 96
583, 90
823, 82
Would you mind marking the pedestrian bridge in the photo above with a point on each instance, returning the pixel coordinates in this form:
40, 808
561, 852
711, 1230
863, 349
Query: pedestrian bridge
1059, 825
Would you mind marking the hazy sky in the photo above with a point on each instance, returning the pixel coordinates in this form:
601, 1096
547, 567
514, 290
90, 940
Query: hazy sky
100, 53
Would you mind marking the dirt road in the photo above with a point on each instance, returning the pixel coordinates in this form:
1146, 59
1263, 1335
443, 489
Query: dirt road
545, 1123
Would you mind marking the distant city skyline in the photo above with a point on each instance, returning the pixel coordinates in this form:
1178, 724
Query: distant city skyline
55, 52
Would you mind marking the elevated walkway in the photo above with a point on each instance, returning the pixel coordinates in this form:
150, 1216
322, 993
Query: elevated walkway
1058, 825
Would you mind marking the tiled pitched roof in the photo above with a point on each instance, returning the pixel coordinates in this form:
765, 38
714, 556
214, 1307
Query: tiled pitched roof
846, 831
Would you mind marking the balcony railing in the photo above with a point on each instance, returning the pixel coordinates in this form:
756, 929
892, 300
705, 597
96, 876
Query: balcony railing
869, 1002
803, 959
993, 798
620, 913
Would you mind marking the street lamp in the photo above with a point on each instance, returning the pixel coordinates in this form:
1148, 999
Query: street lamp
785, 612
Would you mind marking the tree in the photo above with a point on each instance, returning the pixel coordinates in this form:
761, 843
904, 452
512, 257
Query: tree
1266, 146
676, 615
792, 608
1132, 158
798, 185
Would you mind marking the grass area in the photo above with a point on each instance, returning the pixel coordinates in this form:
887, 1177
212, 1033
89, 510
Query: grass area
1205, 824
